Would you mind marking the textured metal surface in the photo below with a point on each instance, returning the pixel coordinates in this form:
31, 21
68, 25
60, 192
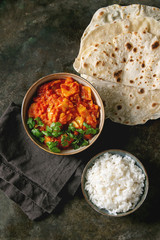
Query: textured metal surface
40, 37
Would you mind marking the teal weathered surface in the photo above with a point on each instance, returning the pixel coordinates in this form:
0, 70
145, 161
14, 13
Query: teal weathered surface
42, 37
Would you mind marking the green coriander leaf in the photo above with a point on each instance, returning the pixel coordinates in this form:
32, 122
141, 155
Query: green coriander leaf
97, 130
58, 124
52, 144
75, 146
80, 130
71, 135
84, 143
56, 150
41, 139
64, 143
88, 131
86, 125
57, 134
36, 132
60, 133
49, 129
39, 122
52, 124
76, 141
91, 131
55, 124
31, 123
56, 128
68, 138
53, 147
71, 127
46, 133
64, 140
55, 143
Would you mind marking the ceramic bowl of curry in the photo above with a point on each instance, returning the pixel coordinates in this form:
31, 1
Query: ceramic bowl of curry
62, 113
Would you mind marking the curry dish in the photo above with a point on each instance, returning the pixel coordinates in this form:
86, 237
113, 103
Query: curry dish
63, 114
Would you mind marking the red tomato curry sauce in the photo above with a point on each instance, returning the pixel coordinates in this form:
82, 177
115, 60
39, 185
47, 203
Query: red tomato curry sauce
67, 102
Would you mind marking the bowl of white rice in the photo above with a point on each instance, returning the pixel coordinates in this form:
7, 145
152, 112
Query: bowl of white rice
114, 183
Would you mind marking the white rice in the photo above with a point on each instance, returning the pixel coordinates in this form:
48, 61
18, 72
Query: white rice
114, 183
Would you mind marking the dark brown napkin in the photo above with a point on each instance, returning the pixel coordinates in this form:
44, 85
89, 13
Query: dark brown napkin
31, 177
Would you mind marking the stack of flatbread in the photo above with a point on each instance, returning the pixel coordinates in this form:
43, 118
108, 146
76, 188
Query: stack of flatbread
120, 55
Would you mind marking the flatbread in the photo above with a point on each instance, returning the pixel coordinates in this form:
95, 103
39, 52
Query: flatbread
127, 105
115, 12
110, 21
131, 97
131, 59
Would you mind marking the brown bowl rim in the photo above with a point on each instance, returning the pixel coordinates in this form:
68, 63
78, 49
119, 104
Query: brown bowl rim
143, 196
49, 78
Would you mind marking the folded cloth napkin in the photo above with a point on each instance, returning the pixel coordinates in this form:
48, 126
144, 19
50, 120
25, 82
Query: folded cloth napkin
31, 177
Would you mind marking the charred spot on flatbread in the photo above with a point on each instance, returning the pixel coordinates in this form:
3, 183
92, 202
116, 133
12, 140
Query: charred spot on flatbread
154, 104
106, 53
101, 13
118, 80
155, 45
141, 91
98, 62
143, 64
119, 107
128, 46
135, 49
131, 81
117, 74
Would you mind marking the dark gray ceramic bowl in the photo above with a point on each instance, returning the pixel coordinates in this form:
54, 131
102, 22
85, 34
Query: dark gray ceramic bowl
31, 92
121, 153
